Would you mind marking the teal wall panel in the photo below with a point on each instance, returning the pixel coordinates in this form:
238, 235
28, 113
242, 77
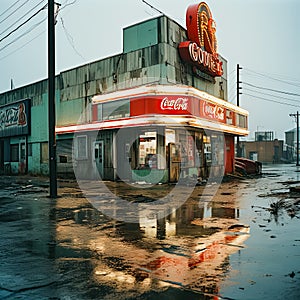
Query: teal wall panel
69, 112
39, 121
140, 36
34, 161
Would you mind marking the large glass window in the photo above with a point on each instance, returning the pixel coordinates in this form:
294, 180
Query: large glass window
241, 121
147, 150
81, 151
113, 110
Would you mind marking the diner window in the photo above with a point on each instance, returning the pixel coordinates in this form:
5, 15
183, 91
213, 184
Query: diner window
99, 112
81, 151
14, 153
170, 136
241, 121
147, 150
113, 110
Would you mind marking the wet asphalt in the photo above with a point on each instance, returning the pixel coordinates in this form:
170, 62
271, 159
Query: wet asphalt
236, 240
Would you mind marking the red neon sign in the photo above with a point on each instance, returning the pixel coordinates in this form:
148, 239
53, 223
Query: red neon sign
201, 50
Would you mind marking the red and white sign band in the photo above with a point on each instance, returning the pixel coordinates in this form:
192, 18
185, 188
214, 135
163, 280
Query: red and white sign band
174, 104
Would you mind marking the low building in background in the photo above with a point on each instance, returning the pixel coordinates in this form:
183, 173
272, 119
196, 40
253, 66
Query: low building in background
265, 148
291, 145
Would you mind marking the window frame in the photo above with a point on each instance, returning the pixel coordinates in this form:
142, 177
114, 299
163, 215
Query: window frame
78, 148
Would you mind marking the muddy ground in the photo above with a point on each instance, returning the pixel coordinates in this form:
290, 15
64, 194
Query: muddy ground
239, 240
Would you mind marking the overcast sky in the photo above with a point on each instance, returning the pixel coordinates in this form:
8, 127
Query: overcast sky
261, 35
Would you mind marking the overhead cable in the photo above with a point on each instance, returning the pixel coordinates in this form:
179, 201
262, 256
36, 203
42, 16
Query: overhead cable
21, 18
23, 34
13, 11
9, 8
268, 94
17, 49
24, 22
269, 100
273, 78
273, 90
70, 38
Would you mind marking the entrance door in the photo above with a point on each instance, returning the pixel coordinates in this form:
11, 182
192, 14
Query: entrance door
98, 157
23, 161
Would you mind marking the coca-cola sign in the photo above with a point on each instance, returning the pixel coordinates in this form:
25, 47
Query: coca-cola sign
15, 118
213, 111
178, 104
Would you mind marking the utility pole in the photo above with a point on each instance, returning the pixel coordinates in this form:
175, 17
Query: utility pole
51, 100
238, 93
297, 130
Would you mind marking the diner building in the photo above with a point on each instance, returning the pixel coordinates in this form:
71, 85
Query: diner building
156, 112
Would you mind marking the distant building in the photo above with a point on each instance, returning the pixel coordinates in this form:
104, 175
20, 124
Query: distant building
291, 144
264, 149
264, 136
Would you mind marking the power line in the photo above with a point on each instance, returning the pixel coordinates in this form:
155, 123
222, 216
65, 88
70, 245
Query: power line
273, 78
269, 100
34, 38
23, 34
17, 49
231, 72
268, 89
9, 8
268, 94
68, 4
18, 27
153, 7
70, 38
13, 11
21, 18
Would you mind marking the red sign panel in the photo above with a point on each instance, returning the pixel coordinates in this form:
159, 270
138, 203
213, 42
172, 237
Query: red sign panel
213, 111
171, 105
167, 105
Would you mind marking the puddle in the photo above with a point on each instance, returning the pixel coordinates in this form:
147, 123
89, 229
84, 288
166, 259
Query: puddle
204, 249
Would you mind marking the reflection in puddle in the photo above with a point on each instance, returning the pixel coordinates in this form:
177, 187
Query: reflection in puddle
187, 248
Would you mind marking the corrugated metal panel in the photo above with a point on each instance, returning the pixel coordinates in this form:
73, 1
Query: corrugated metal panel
32, 91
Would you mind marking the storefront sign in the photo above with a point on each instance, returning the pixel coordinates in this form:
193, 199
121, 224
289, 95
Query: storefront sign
163, 105
174, 104
15, 119
201, 49
213, 111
